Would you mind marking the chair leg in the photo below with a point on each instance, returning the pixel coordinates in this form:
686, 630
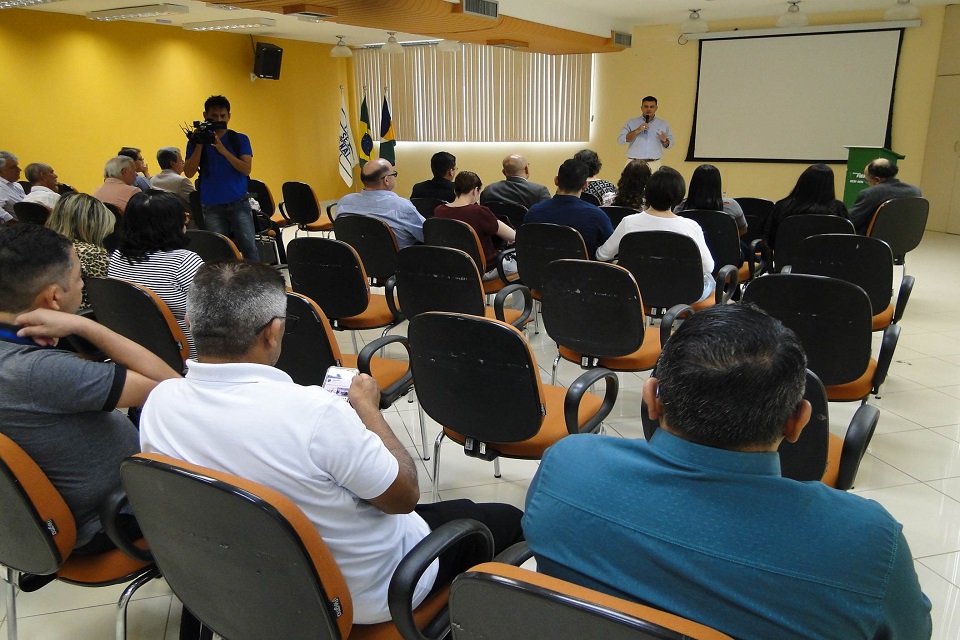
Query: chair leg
11, 577
121, 627
423, 433
436, 467
536, 317
353, 336
496, 467
553, 376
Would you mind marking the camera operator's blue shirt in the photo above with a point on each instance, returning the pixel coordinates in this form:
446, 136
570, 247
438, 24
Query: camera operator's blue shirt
220, 183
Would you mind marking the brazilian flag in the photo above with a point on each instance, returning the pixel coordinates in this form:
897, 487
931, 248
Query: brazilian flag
366, 142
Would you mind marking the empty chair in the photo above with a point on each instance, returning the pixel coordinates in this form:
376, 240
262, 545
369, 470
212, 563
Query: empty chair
31, 212
616, 214
508, 212
300, 206
374, 242
212, 246
426, 205
795, 229
496, 601
538, 245
264, 197
900, 223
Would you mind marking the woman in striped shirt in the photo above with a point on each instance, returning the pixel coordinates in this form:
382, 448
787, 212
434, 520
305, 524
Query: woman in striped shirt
152, 252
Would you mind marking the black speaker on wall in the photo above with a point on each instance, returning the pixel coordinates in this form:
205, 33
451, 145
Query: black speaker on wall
266, 63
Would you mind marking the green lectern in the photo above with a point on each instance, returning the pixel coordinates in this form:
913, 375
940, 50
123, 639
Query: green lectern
857, 159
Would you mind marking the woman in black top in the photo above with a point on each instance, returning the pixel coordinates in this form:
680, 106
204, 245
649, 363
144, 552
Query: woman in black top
813, 194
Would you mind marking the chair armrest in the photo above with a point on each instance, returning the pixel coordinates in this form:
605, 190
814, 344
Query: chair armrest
411, 567
109, 510
766, 254
516, 554
366, 355
503, 255
666, 322
579, 388
389, 291
329, 210
501, 299
855, 443
891, 335
729, 277
906, 287
282, 208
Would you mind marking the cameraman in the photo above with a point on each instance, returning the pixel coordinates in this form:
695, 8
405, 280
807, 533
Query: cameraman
224, 165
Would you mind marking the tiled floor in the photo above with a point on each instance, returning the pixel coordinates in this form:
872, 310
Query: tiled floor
912, 468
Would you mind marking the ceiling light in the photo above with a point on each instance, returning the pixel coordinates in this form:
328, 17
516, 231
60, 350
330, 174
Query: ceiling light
14, 4
793, 17
229, 25
133, 13
694, 24
341, 50
903, 10
217, 5
391, 46
449, 46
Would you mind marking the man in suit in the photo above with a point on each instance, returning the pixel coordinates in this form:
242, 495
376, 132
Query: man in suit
171, 176
517, 187
881, 175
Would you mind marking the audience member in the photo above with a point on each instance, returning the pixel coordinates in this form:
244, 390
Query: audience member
814, 193
698, 521
339, 461
60, 408
706, 192
516, 188
44, 185
152, 252
881, 175
465, 208
568, 209
224, 166
378, 200
632, 186
142, 180
443, 165
663, 194
602, 190
117, 188
86, 222
11, 191
171, 176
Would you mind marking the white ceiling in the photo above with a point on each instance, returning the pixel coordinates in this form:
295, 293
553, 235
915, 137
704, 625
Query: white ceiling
597, 18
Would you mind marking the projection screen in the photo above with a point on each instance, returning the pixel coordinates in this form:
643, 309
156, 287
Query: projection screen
796, 98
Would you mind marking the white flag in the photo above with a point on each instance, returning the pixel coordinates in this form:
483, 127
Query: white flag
348, 152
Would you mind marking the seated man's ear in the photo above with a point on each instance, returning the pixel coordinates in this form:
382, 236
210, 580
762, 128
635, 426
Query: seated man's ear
797, 421
651, 396
48, 298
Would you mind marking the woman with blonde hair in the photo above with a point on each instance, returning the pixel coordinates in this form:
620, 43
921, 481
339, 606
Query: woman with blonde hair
87, 222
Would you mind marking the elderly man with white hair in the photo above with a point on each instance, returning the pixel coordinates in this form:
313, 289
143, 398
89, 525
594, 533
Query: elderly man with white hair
11, 192
119, 175
44, 184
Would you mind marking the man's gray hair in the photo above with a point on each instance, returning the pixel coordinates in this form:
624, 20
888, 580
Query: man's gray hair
6, 156
115, 166
35, 171
230, 302
167, 156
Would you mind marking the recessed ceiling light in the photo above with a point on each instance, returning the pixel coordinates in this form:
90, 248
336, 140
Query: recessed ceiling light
229, 25
13, 4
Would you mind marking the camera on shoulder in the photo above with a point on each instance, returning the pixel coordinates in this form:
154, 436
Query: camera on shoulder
203, 132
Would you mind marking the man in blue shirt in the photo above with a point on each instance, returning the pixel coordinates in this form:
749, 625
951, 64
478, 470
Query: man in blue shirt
699, 522
378, 200
568, 209
647, 135
224, 167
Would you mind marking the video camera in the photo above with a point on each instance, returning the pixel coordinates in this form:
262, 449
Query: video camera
203, 132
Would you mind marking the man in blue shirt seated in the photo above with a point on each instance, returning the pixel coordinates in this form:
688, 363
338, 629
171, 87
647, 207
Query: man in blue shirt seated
568, 209
378, 200
699, 522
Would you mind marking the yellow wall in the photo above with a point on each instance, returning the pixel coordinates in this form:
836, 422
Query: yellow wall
90, 88
78, 90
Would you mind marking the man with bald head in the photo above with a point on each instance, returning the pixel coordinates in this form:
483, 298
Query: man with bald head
378, 200
517, 187
881, 175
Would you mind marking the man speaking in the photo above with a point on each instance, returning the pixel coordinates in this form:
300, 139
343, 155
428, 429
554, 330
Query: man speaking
647, 135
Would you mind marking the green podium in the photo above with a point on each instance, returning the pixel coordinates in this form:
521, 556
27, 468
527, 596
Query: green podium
857, 159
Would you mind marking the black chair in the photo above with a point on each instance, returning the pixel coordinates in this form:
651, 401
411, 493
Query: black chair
479, 380
589, 197
31, 212
301, 207
593, 311
212, 247
616, 214
900, 223
196, 210
795, 229
834, 321
866, 262
668, 268
261, 193
375, 243
497, 601
426, 206
456, 234
268, 223
756, 211
330, 273
539, 244
26, 186
723, 240
246, 561
510, 212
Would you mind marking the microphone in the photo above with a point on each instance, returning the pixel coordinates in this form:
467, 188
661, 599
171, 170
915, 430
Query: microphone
647, 120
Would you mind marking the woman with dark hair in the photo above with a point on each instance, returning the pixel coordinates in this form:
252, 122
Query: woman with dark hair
87, 222
813, 194
152, 251
466, 187
602, 190
706, 192
664, 192
632, 185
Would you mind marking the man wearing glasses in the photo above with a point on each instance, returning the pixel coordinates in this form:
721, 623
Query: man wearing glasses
379, 201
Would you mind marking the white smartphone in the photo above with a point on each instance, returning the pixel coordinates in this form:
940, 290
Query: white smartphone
337, 380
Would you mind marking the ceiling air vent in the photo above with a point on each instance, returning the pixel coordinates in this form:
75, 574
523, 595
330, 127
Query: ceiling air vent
479, 8
622, 39
309, 12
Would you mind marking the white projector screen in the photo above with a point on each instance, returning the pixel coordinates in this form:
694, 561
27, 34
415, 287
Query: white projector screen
798, 98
